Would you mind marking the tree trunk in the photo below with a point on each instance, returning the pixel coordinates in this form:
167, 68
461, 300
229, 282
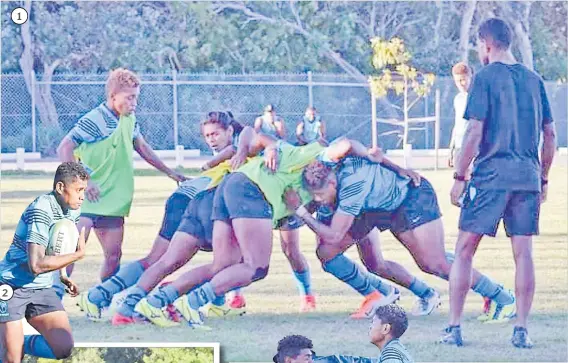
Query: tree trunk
465, 29
522, 32
42, 93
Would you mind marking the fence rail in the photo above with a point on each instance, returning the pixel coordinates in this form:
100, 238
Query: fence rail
171, 106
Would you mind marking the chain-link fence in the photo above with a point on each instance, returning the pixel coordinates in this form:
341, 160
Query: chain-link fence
171, 105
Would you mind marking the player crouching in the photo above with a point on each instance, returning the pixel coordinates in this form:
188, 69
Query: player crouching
28, 270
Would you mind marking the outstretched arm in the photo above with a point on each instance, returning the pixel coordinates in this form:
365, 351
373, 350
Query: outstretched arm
147, 153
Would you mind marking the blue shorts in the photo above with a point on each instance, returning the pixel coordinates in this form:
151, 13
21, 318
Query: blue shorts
418, 208
104, 222
290, 223
196, 220
238, 197
175, 207
29, 303
482, 211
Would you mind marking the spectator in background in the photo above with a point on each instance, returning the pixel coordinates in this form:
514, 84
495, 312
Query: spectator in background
462, 75
270, 124
311, 128
299, 349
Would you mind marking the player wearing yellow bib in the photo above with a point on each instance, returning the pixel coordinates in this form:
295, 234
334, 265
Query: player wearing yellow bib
247, 206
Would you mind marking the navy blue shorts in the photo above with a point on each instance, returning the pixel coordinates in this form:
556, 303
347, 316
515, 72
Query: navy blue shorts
418, 208
196, 220
103, 222
29, 303
175, 207
482, 211
238, 197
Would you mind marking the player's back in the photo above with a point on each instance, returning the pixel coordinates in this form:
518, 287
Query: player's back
511, 98
33, 227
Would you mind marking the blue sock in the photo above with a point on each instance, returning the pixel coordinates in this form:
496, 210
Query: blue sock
487, 288
378, 284
348, 272
37, 346
419, 288
130, 301
219, 301
163, 297
58, 285
303, 281
101, 295
201, 296
111, 275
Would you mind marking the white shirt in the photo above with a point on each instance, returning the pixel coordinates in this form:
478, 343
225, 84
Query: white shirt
460, 124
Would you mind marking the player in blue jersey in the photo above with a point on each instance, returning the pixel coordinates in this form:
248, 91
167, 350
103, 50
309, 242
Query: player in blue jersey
365, 195
30, 273
507, 112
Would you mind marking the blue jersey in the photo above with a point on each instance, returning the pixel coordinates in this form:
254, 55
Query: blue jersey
367, 186
269, 128
312, 129
395, 352
33, 227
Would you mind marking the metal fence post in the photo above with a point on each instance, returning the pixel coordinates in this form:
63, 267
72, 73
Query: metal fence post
374, 126
310, 90
32, 94
437, 128
175, 108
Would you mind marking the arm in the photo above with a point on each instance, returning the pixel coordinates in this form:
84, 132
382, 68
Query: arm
280, 128
322, 130
148, 154
338, 150
344, 359
223, 155
332, 234
470, 146
257, 124
548, 148
299, 133
39, 263
65, 149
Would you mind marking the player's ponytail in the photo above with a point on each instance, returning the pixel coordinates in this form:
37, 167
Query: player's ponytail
223, 119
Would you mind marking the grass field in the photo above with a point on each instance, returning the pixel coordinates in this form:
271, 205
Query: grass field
273, 303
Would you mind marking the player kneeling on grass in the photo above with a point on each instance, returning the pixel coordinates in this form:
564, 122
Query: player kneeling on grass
28, 271
361, 191
299, 349
247, 206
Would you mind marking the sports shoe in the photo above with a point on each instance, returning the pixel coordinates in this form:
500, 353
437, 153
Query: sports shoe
238, 302
215, 311
452, 336
193, 316
373, 301
521, 338
119, 319
159, 317
425, 305
91, 310
308, 304
501, 313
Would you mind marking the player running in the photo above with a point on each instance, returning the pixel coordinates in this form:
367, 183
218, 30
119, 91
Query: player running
29, 272
365, 194
248, 204
104, 141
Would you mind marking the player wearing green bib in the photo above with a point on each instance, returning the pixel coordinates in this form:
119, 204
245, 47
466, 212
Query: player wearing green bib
104, 141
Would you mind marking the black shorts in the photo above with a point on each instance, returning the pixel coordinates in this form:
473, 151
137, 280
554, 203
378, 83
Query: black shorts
238, 197
482, 211
196, 220
175, 207
419, 207
103, 222
29, 303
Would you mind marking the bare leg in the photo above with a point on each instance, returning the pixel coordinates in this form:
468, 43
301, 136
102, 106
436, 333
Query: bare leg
524, 277
55, 328
11, 342
111, 242
290, 241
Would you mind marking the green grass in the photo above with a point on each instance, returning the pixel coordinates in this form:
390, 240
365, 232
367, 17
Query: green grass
273, 303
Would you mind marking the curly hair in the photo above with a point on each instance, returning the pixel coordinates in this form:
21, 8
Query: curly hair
316, 175
291, 346
120, 79
68, 172
223, 119
395, 316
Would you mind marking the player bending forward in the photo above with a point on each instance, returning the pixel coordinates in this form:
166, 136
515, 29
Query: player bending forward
28, 271
365, 195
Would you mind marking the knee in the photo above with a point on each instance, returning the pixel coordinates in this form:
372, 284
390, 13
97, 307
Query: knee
436, 268
64, 350
260, 273
325, 254
377, 267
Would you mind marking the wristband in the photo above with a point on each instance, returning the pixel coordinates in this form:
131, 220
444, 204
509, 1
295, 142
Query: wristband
459, 177
544, 182
302, 211
205, 167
